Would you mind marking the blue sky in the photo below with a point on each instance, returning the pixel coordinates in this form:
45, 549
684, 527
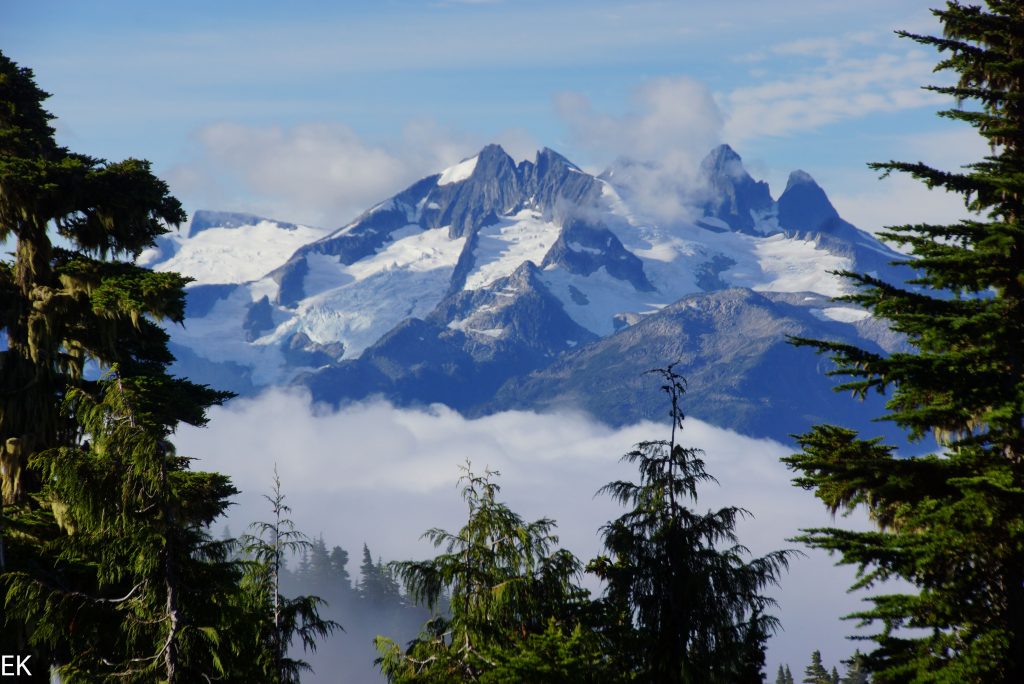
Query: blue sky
312, 111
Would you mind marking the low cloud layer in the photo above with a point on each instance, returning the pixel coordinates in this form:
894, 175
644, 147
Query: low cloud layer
383, 475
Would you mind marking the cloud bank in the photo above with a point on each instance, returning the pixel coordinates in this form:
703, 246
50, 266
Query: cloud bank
378, 474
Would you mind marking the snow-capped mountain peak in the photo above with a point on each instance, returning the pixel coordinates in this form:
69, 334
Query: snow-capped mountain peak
490, 269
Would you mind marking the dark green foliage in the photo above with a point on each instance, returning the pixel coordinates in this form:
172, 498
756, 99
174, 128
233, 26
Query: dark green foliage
377, 585
274, 620
137, 589
950, 523
816, 672
553, 656
678, 577
105, 566
513, 601
856, 673
784, 676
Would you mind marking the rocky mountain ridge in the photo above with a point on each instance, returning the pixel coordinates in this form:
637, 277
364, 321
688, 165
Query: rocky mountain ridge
533, 285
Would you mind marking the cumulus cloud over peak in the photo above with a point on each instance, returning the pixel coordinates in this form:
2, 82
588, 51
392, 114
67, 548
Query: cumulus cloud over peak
321, 174
671, 120
376, 474
657, 144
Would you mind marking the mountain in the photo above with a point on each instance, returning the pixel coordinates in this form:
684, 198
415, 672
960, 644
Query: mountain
227, 247
731, 346
495, 284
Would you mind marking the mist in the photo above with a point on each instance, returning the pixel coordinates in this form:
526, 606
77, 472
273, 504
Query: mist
372, 473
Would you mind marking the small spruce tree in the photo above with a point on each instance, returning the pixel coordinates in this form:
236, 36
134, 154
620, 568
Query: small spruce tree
855, 671
512, 601
815, 672
678, 577
279, 619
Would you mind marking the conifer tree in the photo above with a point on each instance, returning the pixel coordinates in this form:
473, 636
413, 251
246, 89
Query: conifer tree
855, 672
339, 569
278, 619
816, 672
512, 599
678, 576
60, 307
377, 584
951, 523
141, 590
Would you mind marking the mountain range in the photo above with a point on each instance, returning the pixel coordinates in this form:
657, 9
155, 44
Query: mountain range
497, 285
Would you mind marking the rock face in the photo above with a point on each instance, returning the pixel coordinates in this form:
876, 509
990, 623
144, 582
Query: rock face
463, 352
583, 249
531, 285
205, 219
804, 207
735, 197
732, 348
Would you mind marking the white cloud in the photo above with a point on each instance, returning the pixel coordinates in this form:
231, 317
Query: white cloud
381, 475
841, 88
671, 126
316, 173
807, 82
673, 121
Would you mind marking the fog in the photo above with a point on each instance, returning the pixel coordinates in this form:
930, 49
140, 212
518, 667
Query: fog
381, 475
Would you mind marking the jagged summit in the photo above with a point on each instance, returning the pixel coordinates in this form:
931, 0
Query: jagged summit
799, 177
735, 197
723, 161
491, 270
804, 206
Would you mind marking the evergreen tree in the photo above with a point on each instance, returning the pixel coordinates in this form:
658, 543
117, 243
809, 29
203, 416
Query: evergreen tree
554, 656
816, 673
101, 524
378, 585
339, 569
279, 619
512, 601
855, 671
141, 589
951, 523
679, 576
315, 565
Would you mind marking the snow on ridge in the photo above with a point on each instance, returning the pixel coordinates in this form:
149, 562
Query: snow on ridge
504, 246
677, 262
794, 265
459, 172
842, 314
238, 254
356, 304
